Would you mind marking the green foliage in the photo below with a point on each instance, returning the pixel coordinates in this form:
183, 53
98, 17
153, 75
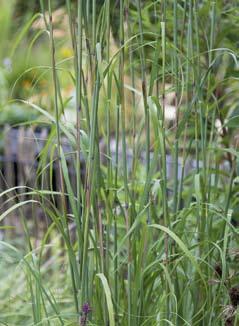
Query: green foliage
140, 239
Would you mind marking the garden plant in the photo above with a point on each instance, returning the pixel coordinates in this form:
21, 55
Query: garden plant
146, 233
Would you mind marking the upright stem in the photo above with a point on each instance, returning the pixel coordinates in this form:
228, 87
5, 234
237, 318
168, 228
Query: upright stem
73, 268
78, 126
176, 86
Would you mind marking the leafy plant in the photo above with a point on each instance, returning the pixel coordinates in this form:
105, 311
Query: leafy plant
148, 235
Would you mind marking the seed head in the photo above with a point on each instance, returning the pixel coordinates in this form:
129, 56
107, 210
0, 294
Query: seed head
234, 295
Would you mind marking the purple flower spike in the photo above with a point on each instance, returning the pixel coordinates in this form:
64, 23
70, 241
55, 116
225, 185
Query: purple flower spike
86, 308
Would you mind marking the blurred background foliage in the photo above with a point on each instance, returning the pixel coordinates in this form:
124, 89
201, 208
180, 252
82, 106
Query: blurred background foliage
25, 59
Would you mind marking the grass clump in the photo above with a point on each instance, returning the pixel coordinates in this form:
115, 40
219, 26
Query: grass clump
146, 232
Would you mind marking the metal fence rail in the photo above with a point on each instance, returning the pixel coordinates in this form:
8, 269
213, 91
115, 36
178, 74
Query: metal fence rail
19, 161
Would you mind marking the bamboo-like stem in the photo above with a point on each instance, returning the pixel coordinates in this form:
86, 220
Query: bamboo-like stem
176, 85
73, 267
78, 124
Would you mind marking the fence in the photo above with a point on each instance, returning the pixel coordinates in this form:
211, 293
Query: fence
19, 161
